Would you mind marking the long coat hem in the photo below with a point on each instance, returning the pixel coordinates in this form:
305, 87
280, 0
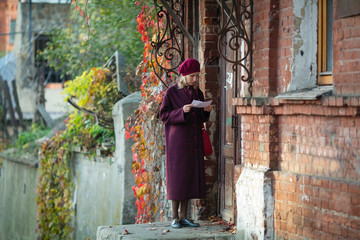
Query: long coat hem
185, 171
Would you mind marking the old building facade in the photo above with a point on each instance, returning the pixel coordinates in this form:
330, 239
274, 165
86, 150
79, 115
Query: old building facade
286, 135
35, 22
8, 13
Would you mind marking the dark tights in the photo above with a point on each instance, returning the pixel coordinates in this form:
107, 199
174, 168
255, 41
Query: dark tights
183, 208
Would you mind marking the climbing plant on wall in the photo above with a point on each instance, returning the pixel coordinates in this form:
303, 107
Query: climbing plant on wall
94, 90
145, 127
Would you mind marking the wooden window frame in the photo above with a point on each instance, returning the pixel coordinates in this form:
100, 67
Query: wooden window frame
324, 76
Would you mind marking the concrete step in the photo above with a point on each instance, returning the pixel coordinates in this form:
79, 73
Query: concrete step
162, 230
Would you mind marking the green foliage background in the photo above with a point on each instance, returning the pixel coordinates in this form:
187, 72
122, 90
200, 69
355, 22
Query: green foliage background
88, 42
99, 28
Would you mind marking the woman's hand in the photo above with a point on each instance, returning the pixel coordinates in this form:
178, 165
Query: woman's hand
187, 107
208, 109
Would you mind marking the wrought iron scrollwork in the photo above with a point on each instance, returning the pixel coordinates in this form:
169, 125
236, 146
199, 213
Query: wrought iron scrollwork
167, 49
236, 35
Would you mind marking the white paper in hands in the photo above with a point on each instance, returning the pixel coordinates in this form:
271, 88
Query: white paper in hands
200, 104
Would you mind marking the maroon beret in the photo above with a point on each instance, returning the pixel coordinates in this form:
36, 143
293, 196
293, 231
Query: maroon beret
189, 66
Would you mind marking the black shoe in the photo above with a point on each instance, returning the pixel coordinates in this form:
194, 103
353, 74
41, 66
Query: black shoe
188, 223
176, 223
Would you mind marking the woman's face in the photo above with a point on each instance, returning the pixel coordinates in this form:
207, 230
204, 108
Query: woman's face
192, 79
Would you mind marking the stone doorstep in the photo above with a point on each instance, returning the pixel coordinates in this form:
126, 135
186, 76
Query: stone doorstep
162, 230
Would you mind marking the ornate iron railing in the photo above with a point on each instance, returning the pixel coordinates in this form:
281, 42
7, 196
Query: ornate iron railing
236, 34
168, 48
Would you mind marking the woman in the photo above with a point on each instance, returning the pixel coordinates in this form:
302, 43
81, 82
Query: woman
185, 174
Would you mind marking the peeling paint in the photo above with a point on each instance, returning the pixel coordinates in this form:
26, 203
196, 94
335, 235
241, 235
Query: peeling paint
304, 197
228, 121
255, 205
303, 66
357, 163
262, 147
229, 80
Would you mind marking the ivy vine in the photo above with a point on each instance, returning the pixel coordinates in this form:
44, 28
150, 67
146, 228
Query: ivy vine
93, 90
144, 127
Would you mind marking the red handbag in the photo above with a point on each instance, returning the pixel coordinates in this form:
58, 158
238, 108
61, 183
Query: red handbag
207, 144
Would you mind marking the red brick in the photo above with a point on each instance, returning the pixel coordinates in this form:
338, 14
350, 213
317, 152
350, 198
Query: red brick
283, 226
353, 234
355, 224
334, 229
332, 101
291, 228
299, 231
324, 193
315, 182
335, 186
324, 183
352, 188
354, 101
298, 220
324, 226
308, 232
355, 211
325, 101
325, 203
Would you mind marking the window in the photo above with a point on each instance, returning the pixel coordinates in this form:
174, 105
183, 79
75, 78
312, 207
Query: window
50, 74
325, 42
12, 31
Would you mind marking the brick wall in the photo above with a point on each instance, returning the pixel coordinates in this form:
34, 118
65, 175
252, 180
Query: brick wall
346, 66
282, 44
308, 148
261, 48
8, 11
3, 26
209, 83
313, 151
315, 207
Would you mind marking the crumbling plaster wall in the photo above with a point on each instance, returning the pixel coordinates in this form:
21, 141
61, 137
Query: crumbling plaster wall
255, 218
303, 62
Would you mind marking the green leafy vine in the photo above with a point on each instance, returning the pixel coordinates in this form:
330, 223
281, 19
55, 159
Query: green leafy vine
144, 127
93, 90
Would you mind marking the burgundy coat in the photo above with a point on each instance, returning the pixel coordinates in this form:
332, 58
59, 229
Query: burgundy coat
185, 172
